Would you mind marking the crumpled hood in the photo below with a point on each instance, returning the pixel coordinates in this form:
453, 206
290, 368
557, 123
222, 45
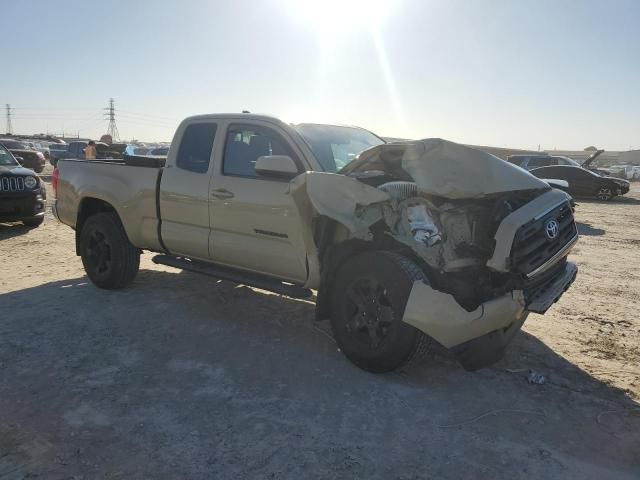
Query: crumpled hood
447, 169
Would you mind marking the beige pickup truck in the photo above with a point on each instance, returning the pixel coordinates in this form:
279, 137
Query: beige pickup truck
405, 243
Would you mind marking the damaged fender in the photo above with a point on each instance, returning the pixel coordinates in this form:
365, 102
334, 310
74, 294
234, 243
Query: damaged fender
341, 198
441, 317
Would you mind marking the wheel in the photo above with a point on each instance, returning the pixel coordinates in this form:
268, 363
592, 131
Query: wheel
605, 194
110, 260
367, 305
33, 222
39, 169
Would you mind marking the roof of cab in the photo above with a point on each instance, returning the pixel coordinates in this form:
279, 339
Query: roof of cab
234, 116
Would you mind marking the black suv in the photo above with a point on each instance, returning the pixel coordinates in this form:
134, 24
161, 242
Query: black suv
23, 196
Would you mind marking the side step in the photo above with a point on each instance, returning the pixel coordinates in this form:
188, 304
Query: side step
232, 275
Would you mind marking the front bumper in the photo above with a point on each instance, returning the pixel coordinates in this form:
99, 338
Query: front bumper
479, 338
18, 206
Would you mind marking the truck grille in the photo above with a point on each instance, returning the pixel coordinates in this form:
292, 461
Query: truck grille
11, 184
534, 243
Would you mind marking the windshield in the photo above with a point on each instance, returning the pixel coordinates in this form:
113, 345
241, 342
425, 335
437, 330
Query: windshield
567, 161
335, 147
6, 158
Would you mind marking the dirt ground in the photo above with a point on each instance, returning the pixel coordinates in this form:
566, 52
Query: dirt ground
183, 376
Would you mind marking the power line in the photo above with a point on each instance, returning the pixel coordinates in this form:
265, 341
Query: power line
9, 128
111, 115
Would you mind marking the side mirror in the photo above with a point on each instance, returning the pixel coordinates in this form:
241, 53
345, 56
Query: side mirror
280, 166
20, 160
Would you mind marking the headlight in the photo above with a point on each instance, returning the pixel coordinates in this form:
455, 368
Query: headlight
30, 182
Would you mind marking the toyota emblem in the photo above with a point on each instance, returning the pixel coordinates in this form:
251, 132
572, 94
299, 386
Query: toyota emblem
551, 228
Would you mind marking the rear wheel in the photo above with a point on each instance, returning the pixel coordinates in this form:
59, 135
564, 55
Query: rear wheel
109, 259
368, 303
605, 194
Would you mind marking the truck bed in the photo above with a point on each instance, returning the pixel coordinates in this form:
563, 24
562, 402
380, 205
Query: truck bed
130, 185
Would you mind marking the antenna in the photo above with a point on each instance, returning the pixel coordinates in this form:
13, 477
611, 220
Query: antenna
111, 115
9, 130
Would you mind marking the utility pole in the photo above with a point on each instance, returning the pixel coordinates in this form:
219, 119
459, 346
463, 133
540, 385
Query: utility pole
9, 130
111, 115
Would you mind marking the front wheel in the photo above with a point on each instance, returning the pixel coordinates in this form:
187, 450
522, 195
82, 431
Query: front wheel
368, 302
110, 260
605, 194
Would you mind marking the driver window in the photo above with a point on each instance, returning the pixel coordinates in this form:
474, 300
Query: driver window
246, 143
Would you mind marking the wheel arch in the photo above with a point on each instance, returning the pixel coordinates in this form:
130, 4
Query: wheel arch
335, 246
88, 207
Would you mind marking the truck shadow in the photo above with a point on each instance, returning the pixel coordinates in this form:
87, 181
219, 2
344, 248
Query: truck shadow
241, 356
10, 230
588, 230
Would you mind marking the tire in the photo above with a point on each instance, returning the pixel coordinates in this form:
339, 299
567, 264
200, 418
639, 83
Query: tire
110, 260
39, 169
368, 301
33, 222
605, 194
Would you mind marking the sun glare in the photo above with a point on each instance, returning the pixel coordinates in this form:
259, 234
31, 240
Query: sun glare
335, 17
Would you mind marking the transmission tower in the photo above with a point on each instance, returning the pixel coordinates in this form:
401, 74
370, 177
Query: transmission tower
111, 115
9, 130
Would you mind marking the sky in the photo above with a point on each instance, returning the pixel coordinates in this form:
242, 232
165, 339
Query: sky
551, 73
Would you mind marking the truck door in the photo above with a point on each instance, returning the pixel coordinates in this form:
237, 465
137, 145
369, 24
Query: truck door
254, 222
184, 191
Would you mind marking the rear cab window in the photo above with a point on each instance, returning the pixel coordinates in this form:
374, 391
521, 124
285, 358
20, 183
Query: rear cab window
194, 153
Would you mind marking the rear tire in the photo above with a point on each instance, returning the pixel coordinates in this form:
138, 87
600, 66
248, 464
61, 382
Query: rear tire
367, 305
110, 260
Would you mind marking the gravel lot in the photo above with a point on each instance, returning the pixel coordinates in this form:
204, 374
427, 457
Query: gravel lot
183, 376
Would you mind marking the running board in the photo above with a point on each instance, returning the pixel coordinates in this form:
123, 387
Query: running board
232, 275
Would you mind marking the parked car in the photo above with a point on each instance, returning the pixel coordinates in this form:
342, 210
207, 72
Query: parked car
27, 157
627, 172
530, 161
57, 151
405, 243
158, 152
585, 183
23, 195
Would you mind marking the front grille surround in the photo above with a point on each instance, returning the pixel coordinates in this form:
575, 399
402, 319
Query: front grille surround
12, 184
532, 248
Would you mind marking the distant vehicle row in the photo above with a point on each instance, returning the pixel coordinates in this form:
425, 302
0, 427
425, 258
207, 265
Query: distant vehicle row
25, 154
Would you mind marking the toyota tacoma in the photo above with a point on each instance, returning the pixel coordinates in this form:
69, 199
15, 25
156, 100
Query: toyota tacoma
405, 243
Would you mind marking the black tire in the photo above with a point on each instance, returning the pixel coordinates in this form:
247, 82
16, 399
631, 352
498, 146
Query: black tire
33, 222
39, 169
110, 260
368, 301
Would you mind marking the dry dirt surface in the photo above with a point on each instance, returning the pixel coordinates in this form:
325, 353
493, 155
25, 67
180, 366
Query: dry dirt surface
182, 376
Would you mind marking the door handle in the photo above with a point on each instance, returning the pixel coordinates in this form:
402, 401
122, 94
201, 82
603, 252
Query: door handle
221, 193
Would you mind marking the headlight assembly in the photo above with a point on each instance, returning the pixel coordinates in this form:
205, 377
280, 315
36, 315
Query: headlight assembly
30, 182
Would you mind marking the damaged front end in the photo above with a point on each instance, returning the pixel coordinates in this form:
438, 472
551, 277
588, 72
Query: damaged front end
491, 239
